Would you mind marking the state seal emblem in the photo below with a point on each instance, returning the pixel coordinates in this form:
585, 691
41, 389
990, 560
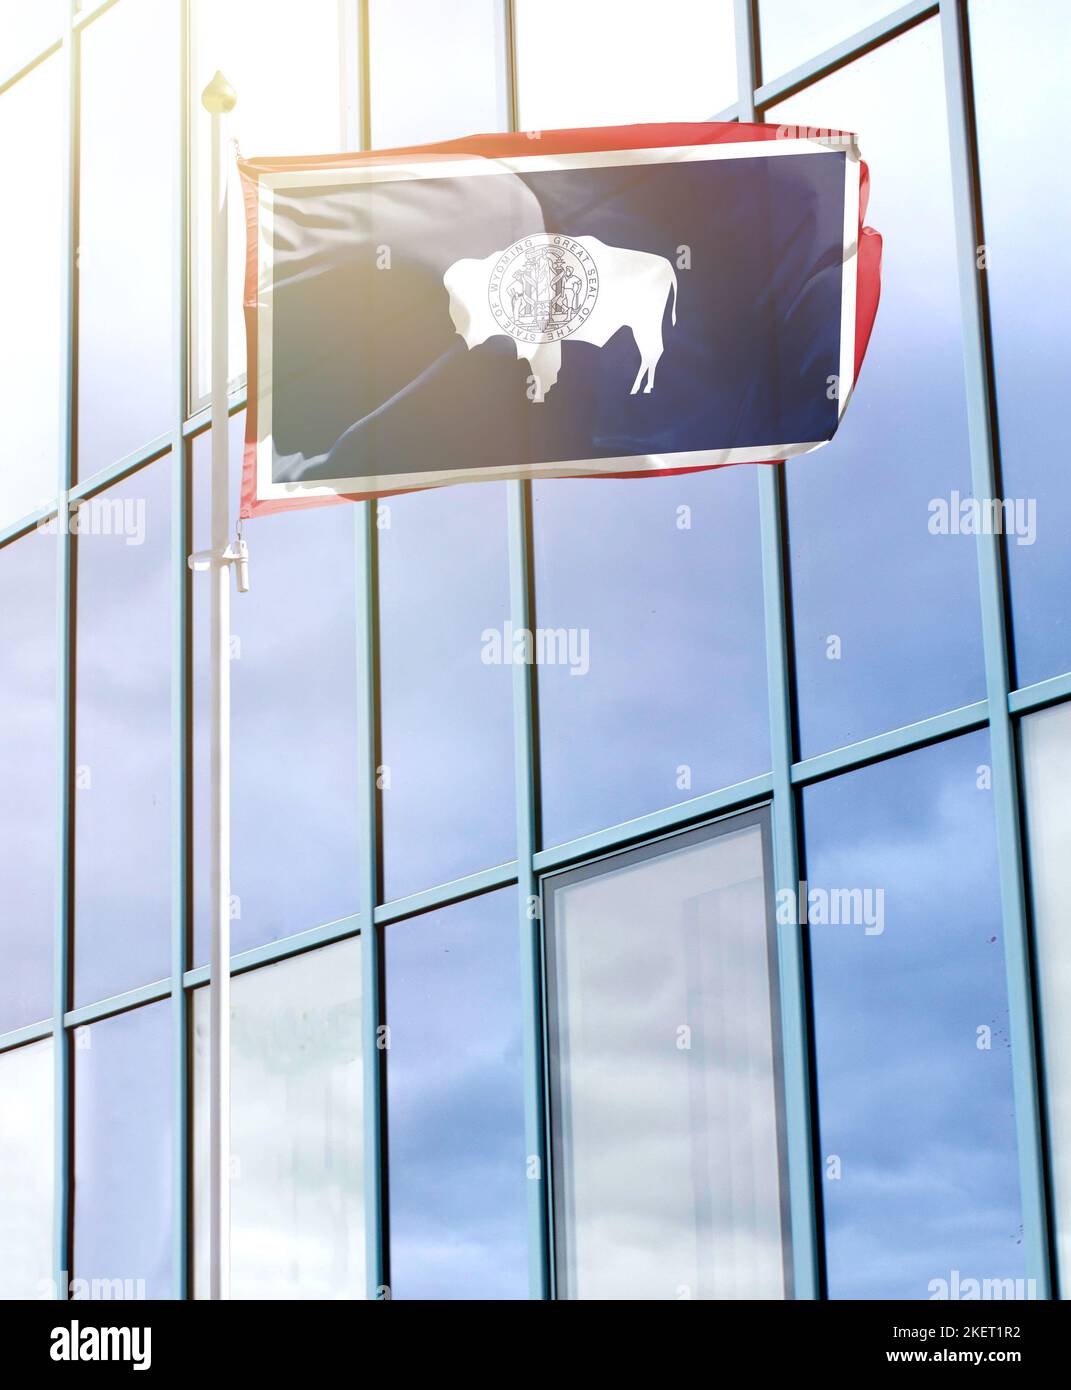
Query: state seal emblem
542, 288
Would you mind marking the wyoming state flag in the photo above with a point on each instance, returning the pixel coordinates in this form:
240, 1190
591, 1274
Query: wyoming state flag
616, 301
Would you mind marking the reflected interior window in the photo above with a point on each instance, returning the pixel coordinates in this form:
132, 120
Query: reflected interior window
122, 773
614, 62
912, 1053
26, 1162
446, 776
294, 799
123, 1147
886, 617
665, 1058
1027, 277
28, 816
1047, 770
297, 1195
126, 229
32, 137
656, 585
458, 1197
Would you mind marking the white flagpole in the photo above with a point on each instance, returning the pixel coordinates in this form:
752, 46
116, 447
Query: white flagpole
218, 99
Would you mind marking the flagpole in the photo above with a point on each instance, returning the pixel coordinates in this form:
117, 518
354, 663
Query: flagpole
218, 99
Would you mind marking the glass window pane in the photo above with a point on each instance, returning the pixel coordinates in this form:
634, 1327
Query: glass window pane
294, 812
886, 615
122, 775
657, 584
126, 348
26, 1161
284, 62
665, 1073
791, 33
447, 715
1020, 65
31, 246
458, 1194
123, 1146
917, 1131
26, 30
1047, 772
437, 70
28, 737
297, 1194
613, 62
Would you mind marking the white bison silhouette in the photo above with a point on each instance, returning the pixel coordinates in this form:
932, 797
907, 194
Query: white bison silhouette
597, 290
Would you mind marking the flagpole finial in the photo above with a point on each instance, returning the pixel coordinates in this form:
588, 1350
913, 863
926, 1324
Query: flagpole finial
219, 96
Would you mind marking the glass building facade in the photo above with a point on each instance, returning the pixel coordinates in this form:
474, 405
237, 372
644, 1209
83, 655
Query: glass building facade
726, 957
